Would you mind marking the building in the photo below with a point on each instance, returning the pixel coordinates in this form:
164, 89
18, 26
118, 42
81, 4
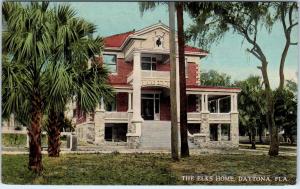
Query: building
140, 115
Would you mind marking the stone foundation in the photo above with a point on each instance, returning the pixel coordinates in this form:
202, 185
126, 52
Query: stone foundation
85, 132
201, 141
133, 140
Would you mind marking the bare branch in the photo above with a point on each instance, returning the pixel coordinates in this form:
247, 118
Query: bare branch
282, 17
296, 43
291, 15
293, 25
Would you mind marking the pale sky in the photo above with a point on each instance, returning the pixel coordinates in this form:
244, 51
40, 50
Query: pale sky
228, 56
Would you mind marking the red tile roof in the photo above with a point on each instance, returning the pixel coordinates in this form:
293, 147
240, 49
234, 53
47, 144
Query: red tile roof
188, 48
118, 39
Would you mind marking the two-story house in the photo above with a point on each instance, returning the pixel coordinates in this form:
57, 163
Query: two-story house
140, 114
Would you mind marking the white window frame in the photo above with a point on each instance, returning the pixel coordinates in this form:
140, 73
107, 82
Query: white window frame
149, 62
116, 64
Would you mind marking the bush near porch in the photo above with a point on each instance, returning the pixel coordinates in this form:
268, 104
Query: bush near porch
20, 140
145, 169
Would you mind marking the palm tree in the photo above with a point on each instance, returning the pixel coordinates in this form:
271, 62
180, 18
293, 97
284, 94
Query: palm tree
182, 85
36, 80
27, 42
251, 105
73, 46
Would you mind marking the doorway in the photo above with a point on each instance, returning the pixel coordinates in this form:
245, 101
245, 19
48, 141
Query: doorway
150, 106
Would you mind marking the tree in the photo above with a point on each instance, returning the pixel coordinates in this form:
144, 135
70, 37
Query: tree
182, 81
213, 78
27, 41
73, 46
251, 106
286, 113
34, 80
247, 19
174, 124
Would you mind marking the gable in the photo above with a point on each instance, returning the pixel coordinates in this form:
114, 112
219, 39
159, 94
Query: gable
154, 37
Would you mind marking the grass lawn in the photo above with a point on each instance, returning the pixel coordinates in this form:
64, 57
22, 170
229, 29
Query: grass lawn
147, 169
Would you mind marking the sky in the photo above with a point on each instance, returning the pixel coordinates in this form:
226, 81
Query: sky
228, 56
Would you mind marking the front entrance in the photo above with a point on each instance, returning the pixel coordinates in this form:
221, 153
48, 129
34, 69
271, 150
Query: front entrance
150, 106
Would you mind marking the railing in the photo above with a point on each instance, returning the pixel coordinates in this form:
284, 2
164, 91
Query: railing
219, 116
152, 77
194, 116
156, 74
156, 78
116, 116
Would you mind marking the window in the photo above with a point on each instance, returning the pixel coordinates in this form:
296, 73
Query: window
149, 63
225, 132
194, 128
213, 130
112, 105
110, 61
157, 103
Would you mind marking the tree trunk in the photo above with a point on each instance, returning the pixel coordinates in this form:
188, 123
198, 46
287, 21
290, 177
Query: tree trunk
273, 130
182, 83
174, 124
55, 122
250, 136
260, 130
34, 133
253, 142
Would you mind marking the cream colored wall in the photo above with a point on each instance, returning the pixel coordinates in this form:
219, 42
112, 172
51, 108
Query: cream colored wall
149, 43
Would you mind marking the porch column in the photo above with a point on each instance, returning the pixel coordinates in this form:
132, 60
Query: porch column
204, 102
101, 104
202, 138
234, 103
134, 126
219, 132
136, 84
99, 123
218, 106
129, 102
234, 125
131, 128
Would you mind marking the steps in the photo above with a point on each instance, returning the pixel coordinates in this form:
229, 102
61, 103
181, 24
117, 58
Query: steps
157, 135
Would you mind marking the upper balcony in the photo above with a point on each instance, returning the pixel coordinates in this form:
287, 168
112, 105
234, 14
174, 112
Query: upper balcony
153, 78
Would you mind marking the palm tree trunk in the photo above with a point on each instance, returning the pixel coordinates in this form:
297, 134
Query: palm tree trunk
34, 133
174, 124
183, 99
54, 124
